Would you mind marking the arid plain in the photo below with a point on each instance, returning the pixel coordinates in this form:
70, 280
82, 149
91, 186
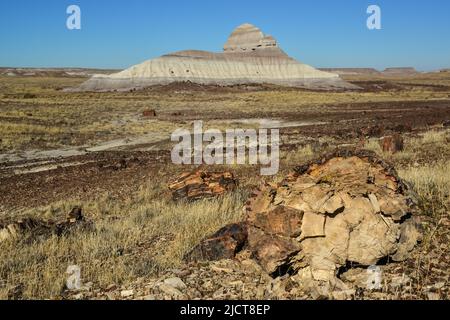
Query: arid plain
109, 154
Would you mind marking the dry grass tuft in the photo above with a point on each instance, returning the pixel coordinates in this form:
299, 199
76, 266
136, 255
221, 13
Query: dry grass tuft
131, 240
432, 185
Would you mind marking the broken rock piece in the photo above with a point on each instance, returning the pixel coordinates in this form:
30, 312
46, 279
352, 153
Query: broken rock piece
392, 144
200, 184
224, 244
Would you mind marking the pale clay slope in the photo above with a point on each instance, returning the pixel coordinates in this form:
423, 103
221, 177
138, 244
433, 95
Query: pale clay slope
249, 57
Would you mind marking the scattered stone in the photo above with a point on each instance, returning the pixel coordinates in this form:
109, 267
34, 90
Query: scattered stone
371, 131
87, 286
392, 144
433, 296
16, 292
79, 296
173, 293
76, 214
344, 294
149, 113
439, 285
276, 288
220, 270
110, 295
200, 184
400, 281
111, 287
127, 293
175, 282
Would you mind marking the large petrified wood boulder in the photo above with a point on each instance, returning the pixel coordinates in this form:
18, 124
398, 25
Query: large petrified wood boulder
201, 184
347, 207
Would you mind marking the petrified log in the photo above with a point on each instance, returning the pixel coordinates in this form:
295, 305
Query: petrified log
348, 206
201, 184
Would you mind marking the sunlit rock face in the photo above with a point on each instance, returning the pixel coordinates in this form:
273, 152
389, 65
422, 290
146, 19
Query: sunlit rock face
249, 56
248, 37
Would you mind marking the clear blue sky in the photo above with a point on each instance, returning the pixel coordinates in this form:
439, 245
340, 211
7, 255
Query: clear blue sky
323, 33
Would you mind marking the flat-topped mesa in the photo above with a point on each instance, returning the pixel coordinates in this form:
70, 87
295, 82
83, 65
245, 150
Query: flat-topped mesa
247, 38
400, 71
249, 57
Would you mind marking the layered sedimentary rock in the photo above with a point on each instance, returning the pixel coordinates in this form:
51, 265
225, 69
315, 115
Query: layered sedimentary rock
249, 56
351, 71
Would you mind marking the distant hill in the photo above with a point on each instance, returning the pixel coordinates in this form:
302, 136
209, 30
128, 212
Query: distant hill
400, 70
350, 71
53, 72
249, 57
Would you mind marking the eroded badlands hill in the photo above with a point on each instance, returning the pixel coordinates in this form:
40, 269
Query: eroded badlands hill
249, 56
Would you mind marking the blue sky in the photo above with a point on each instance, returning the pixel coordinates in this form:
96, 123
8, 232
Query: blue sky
323, 33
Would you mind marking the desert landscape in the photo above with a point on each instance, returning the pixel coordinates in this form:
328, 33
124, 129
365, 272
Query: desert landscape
85, 181
94, 204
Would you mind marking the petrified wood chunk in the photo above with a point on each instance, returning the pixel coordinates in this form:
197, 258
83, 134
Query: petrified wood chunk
348, 206
392, 144
224, 244
201, 184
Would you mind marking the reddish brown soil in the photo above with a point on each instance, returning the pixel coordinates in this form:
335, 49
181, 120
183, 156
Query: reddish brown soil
116, 173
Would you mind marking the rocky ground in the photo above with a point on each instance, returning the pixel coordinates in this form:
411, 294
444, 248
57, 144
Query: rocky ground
423, 276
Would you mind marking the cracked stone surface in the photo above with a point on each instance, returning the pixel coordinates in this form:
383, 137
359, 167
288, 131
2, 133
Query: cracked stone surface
348, 207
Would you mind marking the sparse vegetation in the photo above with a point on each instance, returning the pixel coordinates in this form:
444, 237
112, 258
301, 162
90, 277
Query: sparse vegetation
139, 231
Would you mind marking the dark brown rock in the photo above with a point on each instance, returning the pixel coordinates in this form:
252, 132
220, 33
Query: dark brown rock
371, 131
76, 214
149, 113
271, 251
224, 244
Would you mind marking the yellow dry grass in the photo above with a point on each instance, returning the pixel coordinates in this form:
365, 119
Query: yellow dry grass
131, 240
